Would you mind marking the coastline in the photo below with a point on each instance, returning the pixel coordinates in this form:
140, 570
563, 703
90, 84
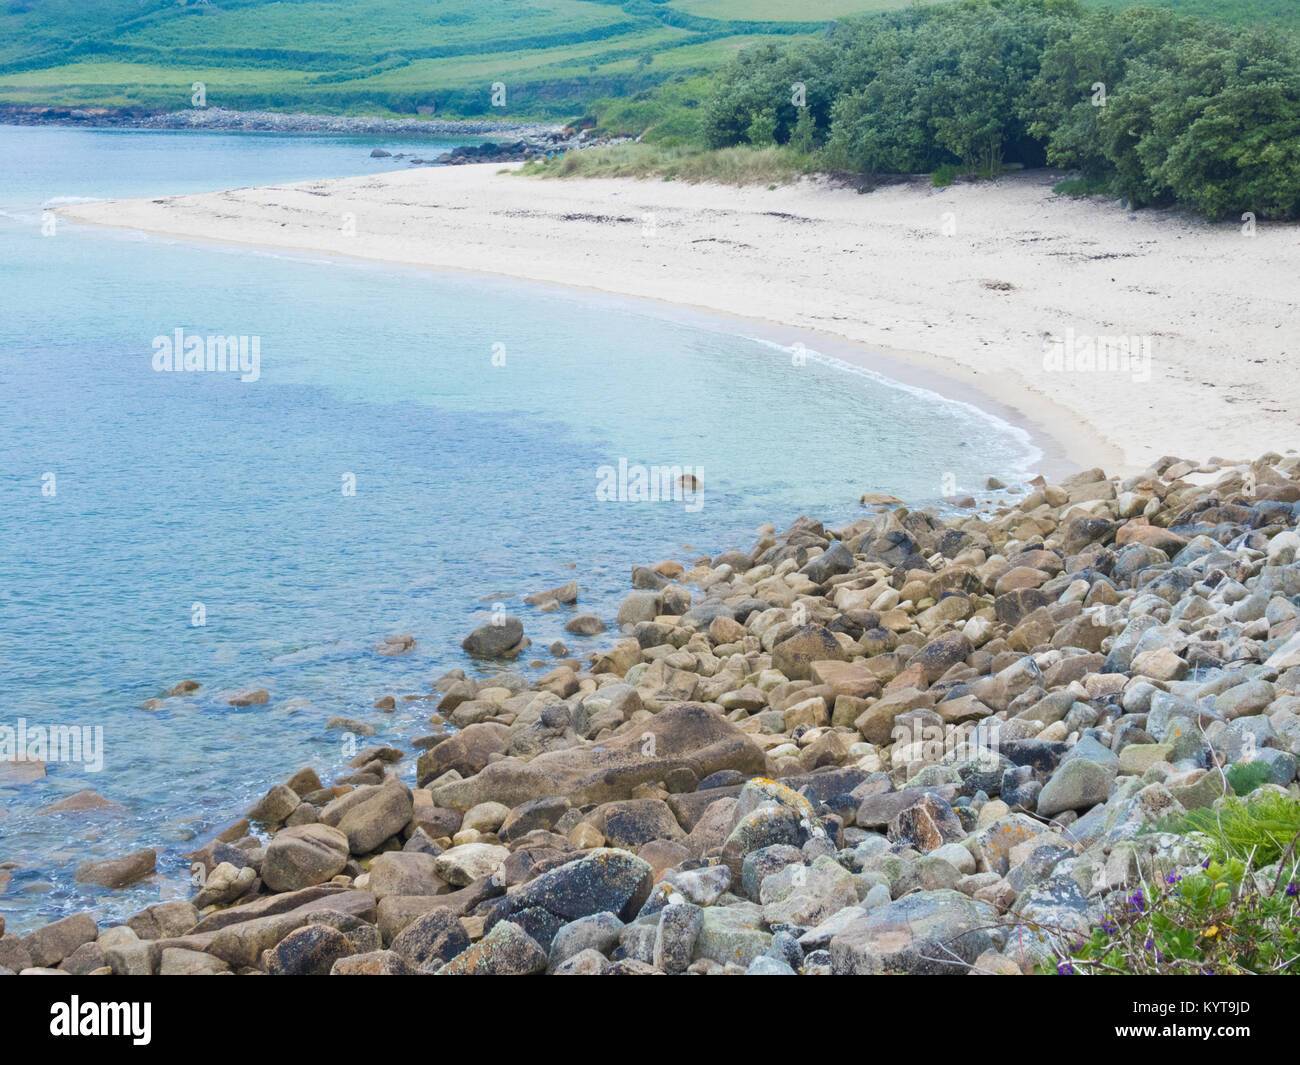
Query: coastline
772, 773
972, 325
224, 120
380, 914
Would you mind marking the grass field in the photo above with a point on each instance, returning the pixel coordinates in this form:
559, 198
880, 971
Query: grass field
783, 10
347, 56
556, 57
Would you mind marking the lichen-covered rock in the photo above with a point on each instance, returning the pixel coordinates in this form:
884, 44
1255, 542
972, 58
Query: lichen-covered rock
604, 879
928, 932
507, 950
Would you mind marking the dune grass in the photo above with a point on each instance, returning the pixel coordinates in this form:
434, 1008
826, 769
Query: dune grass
740, 165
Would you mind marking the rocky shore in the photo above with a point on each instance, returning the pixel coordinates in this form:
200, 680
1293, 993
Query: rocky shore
914, 744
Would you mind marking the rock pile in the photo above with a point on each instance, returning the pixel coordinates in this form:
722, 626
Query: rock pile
915, 744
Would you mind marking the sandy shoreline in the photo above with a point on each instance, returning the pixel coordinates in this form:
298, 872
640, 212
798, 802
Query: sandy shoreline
960, 290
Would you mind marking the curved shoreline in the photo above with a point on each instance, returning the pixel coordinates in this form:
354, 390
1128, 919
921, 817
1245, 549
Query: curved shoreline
1061, 448
967, 316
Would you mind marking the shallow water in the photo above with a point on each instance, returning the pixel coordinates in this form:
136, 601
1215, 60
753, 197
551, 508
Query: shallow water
472, 416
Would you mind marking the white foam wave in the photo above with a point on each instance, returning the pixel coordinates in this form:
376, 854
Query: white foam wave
1024, 467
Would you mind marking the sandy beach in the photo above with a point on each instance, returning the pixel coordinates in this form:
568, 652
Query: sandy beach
986, 291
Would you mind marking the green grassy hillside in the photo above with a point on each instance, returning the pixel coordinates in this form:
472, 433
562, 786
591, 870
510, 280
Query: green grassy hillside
391, 56
555, 57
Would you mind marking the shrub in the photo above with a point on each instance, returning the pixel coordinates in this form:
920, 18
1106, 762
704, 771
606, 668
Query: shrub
1224, 919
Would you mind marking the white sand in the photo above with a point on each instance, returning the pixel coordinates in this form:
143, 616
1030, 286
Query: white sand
877, 270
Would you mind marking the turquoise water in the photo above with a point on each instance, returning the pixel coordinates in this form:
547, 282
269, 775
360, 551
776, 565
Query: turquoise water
475, 483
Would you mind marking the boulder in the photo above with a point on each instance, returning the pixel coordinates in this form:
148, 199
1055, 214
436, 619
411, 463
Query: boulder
304, 856
53, 942
601, 880
507, 950
370, 814
690, 736
311, 950
119, 872
928, 932
432, 938
795, 655
494, 639
373, 963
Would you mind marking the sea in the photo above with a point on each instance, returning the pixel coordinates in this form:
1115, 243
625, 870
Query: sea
399, 452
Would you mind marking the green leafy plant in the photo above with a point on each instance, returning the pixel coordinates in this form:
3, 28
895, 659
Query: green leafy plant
945, 175
1224, 919
1259, 829
1245, 777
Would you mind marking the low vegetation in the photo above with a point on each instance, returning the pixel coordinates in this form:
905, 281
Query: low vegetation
1238, 913
741, 165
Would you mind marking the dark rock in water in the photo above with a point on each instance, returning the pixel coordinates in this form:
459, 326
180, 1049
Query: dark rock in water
603, 879
495, 638
119, 872
585, 625
379, 153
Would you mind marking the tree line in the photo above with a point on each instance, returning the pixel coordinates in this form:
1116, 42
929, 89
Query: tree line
1145, 104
